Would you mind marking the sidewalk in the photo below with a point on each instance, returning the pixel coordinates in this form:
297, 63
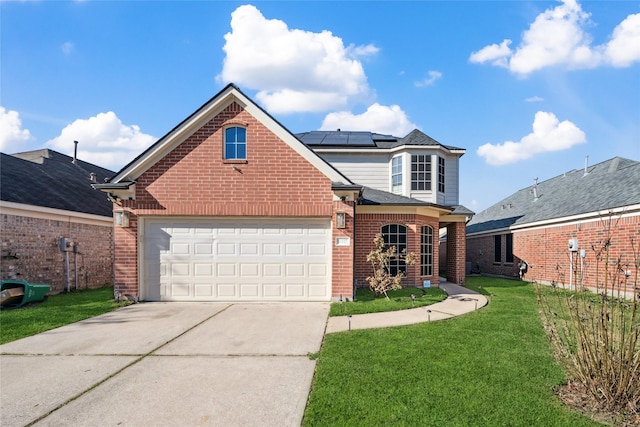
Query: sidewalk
460, 301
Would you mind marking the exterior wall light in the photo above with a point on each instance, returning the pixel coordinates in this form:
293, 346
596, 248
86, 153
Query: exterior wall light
341, 220
121, 218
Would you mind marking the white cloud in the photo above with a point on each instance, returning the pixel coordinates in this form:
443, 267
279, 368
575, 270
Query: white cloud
11, 133
558, 37
431, 78
67, 48
103, 140
624, 46
496, 54
549, 134
388, 120
534, 99
293, 70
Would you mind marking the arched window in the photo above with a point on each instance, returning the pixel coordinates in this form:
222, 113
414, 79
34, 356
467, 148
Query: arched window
235, 143
426, 251
395, 235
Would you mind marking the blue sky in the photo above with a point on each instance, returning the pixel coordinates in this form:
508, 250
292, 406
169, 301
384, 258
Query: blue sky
528, 88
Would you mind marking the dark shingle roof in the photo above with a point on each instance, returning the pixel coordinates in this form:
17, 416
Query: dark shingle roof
49, 179
614, 183
360, 139
373, 197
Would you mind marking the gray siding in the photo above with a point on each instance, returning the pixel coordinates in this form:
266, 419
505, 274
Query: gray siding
370, 169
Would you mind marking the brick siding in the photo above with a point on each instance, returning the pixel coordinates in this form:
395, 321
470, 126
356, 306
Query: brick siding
31, 252
195, 180
369, 224
546, 251
342, 262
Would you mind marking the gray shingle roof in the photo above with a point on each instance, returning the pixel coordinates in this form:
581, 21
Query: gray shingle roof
373, 197
614, 183
49, 179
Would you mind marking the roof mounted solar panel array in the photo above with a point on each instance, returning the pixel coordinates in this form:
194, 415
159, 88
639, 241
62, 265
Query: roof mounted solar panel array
337, 138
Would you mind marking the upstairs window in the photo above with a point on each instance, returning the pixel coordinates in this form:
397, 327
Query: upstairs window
421, 172
395, 235
426, 251
396, 174
235, 143
441, 174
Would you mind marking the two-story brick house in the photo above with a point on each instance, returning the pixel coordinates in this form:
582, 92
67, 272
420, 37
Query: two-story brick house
230, 205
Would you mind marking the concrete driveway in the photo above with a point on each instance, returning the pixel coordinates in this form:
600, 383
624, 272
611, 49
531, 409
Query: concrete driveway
165, 364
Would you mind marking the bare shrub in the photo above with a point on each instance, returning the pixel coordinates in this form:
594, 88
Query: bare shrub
595, 335
380, 258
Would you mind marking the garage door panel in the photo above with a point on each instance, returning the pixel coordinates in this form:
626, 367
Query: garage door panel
292, 249
227, 290
203, 270
237, 260
249, 270
204, 290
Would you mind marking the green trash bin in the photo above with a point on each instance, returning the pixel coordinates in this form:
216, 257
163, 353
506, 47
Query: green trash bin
16, 293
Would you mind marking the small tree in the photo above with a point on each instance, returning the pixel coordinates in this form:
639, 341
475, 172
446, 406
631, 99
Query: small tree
380, 258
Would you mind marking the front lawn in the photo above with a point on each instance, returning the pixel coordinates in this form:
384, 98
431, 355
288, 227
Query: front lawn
491, 367
55, 311
366, 302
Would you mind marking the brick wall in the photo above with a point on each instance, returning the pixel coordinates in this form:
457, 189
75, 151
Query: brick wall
456, 252
31, 252
369, 224
195, 180
546, 251
343, 255
480, 253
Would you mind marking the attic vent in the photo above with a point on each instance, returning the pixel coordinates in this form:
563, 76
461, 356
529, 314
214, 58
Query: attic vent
613, 166
92, 177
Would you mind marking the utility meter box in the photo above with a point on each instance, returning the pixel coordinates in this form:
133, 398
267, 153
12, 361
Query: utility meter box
66, 244
573, 245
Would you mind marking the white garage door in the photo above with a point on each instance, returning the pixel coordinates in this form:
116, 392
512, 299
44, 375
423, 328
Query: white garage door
236, 260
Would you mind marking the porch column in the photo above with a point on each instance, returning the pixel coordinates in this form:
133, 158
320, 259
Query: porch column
456, 252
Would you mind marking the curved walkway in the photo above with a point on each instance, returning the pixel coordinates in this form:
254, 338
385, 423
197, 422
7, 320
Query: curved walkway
460, 301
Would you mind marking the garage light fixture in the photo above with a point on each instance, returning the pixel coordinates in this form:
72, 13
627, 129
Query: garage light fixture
341, 221
121, 218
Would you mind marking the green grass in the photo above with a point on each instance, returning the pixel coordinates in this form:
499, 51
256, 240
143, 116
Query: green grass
55, 311
492, 367
366, 302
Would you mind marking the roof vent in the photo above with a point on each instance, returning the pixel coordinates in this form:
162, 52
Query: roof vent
613, 166
535, 189
75, 153
92, 177
586, 165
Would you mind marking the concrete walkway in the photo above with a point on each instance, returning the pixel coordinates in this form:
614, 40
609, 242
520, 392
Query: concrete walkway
460, 301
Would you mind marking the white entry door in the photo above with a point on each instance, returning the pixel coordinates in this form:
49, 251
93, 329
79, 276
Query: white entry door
236, 260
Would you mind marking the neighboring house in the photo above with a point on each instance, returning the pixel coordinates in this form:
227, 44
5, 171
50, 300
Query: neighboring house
46, 196
230, 205
559, 226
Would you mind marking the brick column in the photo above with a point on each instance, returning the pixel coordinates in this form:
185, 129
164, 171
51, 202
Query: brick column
456, 252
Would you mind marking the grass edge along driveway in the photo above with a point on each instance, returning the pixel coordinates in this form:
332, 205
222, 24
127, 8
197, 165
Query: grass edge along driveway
487, 368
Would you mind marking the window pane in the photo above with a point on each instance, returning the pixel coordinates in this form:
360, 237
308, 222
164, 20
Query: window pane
395, 235
426, 251
497, 249
230, 151
509, 248
241, 134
